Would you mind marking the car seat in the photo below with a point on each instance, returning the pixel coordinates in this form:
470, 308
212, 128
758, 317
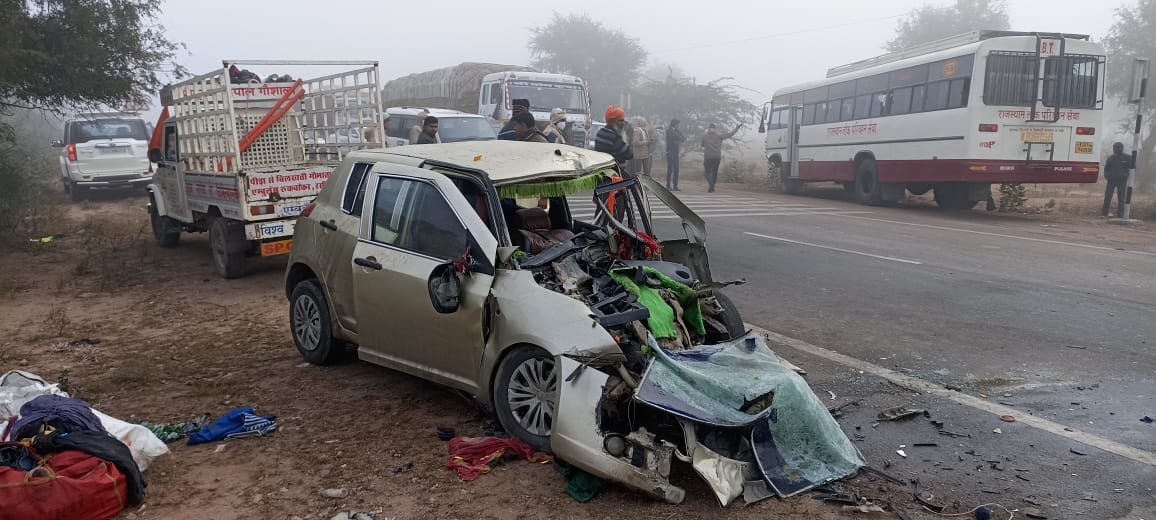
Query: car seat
536, 230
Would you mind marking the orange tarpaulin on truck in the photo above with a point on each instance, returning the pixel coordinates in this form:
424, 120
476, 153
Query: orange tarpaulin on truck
159, 130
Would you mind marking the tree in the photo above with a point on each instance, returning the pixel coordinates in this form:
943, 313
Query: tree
930, 23
58, 54
576, 44
1134, 36
696, 105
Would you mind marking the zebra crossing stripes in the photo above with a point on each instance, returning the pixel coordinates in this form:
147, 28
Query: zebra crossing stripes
719, 206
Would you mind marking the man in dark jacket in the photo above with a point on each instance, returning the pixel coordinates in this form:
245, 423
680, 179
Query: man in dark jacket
527, 128
609, 138
712, 144
1116, 173
429, 131
674, 139
518, 106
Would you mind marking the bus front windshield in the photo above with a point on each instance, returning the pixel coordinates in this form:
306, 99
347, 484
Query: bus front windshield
545, 96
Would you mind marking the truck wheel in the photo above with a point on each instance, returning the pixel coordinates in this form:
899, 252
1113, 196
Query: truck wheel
228, 261
868, 190
953, 197
312, 325
166, 232
526, 395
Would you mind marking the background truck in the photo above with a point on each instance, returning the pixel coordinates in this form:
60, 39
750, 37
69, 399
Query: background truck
487, 88
238, 157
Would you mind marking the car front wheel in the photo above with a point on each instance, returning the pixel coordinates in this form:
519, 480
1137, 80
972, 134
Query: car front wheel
526, 395
310, 322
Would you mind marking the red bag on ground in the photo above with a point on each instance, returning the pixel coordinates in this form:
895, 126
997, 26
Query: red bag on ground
70, 485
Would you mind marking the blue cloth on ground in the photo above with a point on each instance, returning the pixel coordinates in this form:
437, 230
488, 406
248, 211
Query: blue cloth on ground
237, 423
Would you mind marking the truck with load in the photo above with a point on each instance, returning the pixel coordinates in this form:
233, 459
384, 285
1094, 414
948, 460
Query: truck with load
487, 89
241, 158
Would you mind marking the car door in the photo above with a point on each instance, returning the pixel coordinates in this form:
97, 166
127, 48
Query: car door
170, 177
414, 221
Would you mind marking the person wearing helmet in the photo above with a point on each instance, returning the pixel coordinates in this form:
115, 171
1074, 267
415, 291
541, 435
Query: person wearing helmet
609, 138
1116, 173
553, 131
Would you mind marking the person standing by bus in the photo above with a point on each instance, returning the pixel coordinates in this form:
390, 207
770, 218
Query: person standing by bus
609, 139
674, 139
712, 153
640, 142
1116, 173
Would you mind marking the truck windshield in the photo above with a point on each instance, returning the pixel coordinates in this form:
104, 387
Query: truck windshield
454, 129
545, 96
85, 131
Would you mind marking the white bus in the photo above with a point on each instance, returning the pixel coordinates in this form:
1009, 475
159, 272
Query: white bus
953, 116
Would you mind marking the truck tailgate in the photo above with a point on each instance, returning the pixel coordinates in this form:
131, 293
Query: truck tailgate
286, 184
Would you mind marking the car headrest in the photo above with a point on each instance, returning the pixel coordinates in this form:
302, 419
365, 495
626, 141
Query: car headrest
534, 219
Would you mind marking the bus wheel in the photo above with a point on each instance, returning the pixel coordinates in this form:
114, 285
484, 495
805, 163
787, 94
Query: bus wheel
953, 197
868, 190
789, 186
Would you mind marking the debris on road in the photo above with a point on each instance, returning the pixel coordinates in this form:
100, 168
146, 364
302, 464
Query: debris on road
864, 508
404, 468
580, 485
1146, 419
832, 394
334, 493
997, 431
1077, 452
445, 433
1034, 513
471, 457
884, 476
1007, 418
235, 424
930, 501
901, 453
901, 412
354, 515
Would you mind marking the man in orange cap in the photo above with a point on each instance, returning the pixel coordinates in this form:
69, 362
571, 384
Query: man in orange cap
609, 138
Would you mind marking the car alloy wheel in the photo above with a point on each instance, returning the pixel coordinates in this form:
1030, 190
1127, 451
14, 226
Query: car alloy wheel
307, 323
533, 395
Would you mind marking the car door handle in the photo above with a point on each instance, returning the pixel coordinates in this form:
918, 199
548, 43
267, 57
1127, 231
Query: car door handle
329, 224
369, 263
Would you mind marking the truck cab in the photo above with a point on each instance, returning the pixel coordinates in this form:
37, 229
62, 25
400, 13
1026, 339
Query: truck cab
545, 92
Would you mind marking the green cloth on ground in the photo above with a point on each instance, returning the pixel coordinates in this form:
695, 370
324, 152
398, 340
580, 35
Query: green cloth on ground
661, 321
580, 485
172, 432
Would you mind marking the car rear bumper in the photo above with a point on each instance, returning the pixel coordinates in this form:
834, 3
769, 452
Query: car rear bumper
114, 181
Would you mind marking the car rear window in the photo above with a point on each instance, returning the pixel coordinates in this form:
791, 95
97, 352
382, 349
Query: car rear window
85, 131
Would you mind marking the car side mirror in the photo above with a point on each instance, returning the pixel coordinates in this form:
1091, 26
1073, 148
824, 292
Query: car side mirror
57, 143
155, 155
445, 290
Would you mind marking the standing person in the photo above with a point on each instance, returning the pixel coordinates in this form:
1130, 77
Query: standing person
712, 153
553, 131
527, 129
674, 139
609, 138
518, 106
415, 130
640, 143
1116, 173
429, 131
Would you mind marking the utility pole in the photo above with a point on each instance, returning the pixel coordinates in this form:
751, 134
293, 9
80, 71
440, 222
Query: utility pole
1139, 90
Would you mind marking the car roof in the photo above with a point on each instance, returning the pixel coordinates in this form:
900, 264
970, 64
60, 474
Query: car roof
438, 112
505, 162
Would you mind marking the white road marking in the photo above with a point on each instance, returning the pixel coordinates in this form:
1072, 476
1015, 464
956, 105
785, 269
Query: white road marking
921, 386
988, 233
839, 249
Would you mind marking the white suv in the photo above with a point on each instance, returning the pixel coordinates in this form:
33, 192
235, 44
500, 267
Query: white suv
104, 151
453, 125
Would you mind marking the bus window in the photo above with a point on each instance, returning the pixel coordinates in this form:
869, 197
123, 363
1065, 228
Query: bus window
918, 98
808, 115
863, 106
937, 95
841, 90
848, 112
1071, 81
878, 104
900, 101
909, 76
871, 85
1010, 79
958, 93
832, 112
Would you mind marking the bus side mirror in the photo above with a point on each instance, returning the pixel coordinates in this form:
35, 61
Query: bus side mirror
762, 127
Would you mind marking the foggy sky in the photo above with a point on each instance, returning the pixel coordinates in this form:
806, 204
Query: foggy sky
414, 36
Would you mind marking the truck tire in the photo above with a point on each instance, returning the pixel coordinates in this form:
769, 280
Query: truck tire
528, 411
228, 261
166, 232
868, 189
312, 325
953, 197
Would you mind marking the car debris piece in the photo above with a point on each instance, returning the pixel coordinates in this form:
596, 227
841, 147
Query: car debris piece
930, 501
1034, 513
334, 493
446, 433
901, 453
354, 515
899, 412
1077, 452
1007, 418
884, 476
1146, 419
838, 494
865, 508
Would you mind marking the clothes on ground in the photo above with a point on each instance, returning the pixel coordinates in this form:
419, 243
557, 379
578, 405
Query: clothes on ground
608, 140
580, 485
58, 412
102, 446
237, 423
172, 432
17, 455
472, 457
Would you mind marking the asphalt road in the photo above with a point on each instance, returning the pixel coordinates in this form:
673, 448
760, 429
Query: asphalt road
1053, 321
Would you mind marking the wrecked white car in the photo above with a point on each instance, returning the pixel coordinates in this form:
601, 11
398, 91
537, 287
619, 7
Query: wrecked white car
462, 264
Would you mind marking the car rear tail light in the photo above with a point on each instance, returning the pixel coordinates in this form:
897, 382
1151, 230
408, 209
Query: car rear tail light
308, 209
1085, 130
71, 153
266, 209
988, 128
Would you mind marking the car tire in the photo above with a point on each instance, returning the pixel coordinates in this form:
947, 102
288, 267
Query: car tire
526, 395
730, 317
311, 324
868, 189
162, 228
227, 263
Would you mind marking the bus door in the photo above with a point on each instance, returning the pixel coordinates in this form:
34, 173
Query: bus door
794, 126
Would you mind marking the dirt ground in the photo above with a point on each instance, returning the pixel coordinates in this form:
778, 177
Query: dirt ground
151, 334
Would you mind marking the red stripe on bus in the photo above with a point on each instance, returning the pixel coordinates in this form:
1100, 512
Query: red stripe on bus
957, 170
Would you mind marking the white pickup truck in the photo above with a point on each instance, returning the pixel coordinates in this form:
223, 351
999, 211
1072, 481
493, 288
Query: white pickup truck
234, 157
